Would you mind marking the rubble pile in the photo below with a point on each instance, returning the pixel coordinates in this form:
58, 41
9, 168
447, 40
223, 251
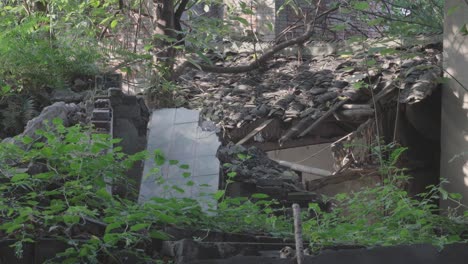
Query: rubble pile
291, 90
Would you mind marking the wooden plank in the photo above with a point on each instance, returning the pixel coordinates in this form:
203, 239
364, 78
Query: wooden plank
304, 168
307, 141
325, 116
357, 106
255, 131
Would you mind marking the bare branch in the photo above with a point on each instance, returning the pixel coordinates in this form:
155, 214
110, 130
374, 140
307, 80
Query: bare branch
264, 58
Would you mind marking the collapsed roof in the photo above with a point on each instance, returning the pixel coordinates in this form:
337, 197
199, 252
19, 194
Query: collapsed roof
289, 98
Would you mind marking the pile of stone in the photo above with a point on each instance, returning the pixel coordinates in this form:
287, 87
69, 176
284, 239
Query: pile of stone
256, 173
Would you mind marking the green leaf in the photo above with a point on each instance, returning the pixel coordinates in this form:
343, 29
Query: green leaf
194, 63
218, 195
173, 162
111, 238
361, 5
186, 174
203, 57
464, 30
57, 121
339, 27
270, 26
260, 196
71, 219
114, 23
138, 227
159, 157
148, 47
159, 235
444, 194
178, 189
184, 166
452, 10
231, 174
375, 22
27, 140
241, 20
241, 156
455, 196
113, 226
166, 218
6, 89
371, 62
19, 177
103, 194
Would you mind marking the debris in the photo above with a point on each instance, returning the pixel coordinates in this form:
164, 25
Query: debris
323, 117
254, 132
303, 168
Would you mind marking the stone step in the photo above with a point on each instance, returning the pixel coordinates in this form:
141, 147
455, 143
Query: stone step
188, 250
101, 125
216, 236
102, 103
101, 114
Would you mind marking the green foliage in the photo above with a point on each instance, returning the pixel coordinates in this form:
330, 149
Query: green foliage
68, 192
400, 18
32, 61
386, 215
46, 43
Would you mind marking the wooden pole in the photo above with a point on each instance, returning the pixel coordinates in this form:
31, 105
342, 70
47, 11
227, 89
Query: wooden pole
298, 233
304, 168
254, 132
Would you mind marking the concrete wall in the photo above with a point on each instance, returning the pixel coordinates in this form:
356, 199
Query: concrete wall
454, 127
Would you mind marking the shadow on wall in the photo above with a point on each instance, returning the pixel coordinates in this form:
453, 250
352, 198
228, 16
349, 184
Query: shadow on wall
454, 129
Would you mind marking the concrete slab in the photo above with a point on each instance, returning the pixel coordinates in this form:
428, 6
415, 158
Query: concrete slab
177, 133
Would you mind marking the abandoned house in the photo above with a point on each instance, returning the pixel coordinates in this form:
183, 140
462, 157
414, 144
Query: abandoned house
312, 116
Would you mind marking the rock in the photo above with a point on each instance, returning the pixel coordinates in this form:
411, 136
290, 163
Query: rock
339, 84
69, 113
252, 165
36, 168
317, 91
326, 97
67, 96
79, 85
57, 110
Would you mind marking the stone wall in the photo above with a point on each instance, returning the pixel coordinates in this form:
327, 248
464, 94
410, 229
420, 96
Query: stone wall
454, 128
130, 124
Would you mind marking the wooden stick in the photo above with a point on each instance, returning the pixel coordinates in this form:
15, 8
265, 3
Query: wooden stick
357, 106
304, 168
291, 132
325, 116
255, 131
298, 233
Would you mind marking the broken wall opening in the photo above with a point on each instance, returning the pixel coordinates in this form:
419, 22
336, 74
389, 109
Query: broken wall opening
317, 156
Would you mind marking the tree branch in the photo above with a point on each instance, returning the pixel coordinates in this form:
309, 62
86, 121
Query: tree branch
263, 59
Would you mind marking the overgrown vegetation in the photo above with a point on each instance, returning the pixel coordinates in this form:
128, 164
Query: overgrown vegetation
386, 215
63, 195
56, 187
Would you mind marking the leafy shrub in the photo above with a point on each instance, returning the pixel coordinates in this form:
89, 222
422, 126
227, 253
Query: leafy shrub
386, 215
66, 194
31, 61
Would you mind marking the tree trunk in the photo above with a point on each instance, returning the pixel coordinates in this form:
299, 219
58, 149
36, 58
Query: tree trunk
163, 13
